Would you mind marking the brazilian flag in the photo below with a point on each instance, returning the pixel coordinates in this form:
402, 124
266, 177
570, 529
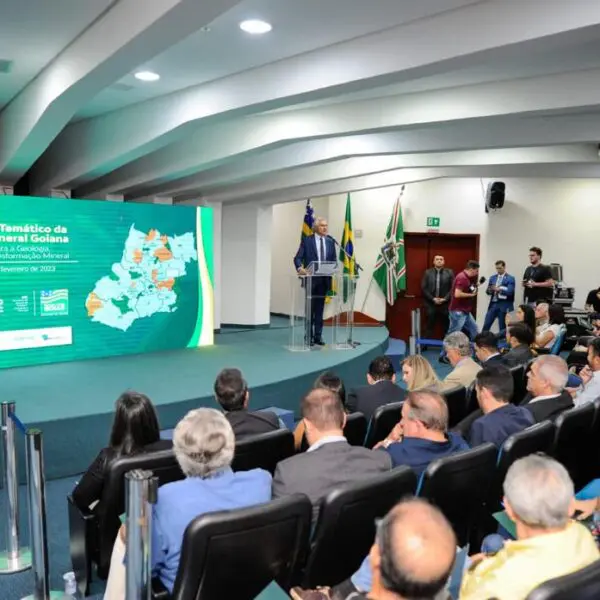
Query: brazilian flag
347, 257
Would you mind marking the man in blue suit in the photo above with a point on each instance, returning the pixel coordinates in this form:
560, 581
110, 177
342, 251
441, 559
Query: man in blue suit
501, 288
316, 248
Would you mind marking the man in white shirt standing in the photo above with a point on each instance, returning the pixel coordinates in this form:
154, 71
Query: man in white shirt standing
590, 376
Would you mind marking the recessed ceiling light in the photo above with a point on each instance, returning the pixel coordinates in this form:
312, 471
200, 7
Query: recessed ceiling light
255, 26
147, 76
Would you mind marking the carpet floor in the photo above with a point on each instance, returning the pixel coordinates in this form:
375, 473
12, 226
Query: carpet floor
14, 587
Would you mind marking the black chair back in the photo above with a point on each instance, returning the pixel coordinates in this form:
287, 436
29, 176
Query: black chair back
263, 451
456, 399
112, 504
581, 585
384, 419
592, 465
459, 485
537, 438
355, 429
236, 554
518, 375
472, 404
573, 430
346, 527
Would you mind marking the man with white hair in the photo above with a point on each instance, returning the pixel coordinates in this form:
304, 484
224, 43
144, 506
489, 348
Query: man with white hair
538, 496
546, 382
458, 350
204, 445
315, 249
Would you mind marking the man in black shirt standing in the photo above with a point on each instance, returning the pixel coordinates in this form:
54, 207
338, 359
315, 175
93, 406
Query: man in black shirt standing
436, 287
537, 279
592, 302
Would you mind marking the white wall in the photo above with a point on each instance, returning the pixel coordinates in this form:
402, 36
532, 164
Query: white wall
217, 241
246, 264
562, 216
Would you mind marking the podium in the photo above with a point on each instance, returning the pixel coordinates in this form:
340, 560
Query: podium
324, 280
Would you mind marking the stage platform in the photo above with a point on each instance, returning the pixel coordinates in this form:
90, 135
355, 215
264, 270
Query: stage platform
72, 403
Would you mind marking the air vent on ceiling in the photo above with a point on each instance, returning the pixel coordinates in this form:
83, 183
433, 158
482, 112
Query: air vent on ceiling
120, 87
5, 66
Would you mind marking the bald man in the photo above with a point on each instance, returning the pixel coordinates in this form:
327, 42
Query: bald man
412, 557
413, 553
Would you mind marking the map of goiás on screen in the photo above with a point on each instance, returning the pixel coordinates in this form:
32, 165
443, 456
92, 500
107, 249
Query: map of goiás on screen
142, 283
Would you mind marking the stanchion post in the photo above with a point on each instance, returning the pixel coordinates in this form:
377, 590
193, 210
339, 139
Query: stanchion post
418, 329
412, 346
14, 559
36, 492
141, 490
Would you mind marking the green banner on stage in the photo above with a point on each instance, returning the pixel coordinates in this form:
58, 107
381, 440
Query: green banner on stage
87, 279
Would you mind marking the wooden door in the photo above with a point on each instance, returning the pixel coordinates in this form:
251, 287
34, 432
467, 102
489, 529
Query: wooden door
420, 248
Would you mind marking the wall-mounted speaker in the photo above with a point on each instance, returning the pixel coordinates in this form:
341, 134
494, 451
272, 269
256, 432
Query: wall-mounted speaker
494, 198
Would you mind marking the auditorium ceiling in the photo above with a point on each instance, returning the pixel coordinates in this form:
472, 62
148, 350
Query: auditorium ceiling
340, 95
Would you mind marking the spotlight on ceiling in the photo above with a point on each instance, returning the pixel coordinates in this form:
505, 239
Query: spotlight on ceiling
147, 76
255, 26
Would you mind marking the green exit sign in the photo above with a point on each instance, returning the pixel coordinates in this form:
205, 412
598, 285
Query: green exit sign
433, 222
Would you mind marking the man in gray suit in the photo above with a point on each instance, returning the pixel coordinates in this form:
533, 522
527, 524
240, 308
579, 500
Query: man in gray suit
330, 460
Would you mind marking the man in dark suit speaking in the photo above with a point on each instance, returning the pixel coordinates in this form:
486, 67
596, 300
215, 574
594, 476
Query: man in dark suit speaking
316, 248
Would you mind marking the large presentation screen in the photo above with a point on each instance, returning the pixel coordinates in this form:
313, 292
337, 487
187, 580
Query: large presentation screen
86, 279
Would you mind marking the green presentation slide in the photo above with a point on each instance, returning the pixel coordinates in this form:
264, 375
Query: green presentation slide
87, 279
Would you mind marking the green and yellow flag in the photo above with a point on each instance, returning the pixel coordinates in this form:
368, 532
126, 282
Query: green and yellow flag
347, 257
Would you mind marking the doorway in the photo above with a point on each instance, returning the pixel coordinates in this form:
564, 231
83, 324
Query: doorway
420, 248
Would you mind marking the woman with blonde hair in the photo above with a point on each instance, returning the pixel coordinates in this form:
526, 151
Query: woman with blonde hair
419, 375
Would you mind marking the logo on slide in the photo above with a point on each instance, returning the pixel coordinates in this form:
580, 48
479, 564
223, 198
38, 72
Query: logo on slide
54, 302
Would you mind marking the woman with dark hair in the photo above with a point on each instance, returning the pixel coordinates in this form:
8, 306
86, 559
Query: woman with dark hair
524, 314
327, 380
553, 322
135, 429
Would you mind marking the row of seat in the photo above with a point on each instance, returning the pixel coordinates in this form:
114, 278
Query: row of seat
466, 486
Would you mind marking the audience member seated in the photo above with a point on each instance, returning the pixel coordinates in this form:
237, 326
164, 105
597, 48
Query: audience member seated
422, 433
135, 429
327, 381
418, 374
538, 496
494, 386
552, 319
330, 460
584, 509
204, 444
381, 389
592, 302
546, 382
577, 358
590, 377
458, 350
486, 349
520, 338
412, 557
231, 392
524, 314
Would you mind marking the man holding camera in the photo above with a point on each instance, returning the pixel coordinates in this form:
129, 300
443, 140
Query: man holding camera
462, 301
